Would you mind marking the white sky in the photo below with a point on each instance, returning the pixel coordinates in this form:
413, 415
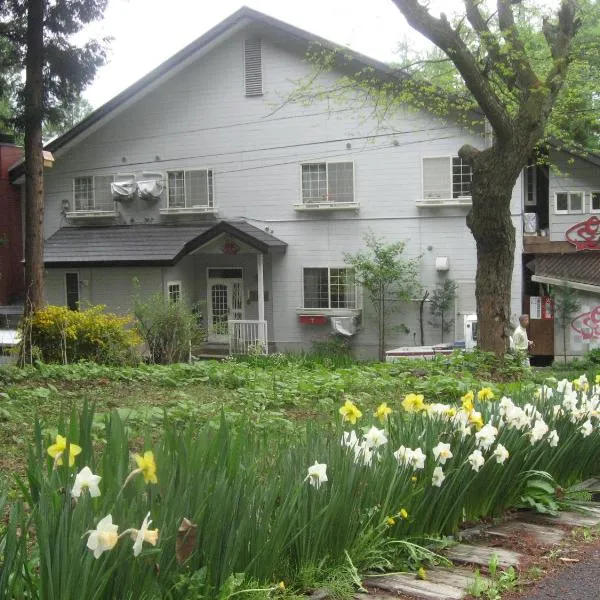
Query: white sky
147, 32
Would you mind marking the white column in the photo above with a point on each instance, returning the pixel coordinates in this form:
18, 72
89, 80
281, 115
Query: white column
261, 287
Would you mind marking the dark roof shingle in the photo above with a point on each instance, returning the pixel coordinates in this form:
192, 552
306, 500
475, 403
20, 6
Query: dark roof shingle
579, 267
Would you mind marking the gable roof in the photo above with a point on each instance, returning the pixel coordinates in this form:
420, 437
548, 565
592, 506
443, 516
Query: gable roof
242, 16
146, 245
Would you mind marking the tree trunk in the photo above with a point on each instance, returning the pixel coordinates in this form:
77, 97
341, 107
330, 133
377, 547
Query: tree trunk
34, 166
495, 172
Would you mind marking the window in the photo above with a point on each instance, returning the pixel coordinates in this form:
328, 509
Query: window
445, 178
72, 290
595, 201
328, 182
174, 291
93, 193
190, 189
568, 202
329, 288
530, 185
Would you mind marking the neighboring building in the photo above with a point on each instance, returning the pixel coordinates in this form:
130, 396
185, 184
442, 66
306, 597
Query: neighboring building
561, 246
11, 240
201, 182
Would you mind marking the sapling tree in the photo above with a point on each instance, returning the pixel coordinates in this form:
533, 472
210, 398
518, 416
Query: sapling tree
566, 304
388, 278
441, 305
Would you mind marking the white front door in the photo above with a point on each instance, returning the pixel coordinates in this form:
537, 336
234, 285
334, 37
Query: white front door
225, 301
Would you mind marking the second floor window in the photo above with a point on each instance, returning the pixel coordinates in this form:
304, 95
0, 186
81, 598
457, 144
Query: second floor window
328, 182
189, 189
93, 192
329, 288
446, 177
568, 202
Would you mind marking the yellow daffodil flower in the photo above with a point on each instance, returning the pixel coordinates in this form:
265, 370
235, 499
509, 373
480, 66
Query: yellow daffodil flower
476, 419
281, 585
146, 466
350, 412
467, 401
403, 513
450, 412
413, 403
382, 412
421, 574
390, 521
57, 449
485, 394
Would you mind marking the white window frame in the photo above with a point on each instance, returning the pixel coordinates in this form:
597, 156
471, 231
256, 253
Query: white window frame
326, 200
592, 209
449, 197
78, 289
329, 308
569, 210
210, 189
171, 284
93, 207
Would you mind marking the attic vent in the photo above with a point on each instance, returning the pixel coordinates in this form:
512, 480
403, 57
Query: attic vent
253, 67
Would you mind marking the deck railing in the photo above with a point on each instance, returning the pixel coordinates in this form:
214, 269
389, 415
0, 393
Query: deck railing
248, 337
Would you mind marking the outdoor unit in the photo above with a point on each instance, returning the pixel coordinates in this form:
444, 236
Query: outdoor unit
530, 222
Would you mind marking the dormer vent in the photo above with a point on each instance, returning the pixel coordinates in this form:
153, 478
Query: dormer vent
253, 67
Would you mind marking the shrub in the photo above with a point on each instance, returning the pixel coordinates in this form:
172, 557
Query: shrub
168, 328
58, 334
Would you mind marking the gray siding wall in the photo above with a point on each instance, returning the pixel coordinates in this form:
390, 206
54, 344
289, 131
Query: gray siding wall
200, 118
570, 175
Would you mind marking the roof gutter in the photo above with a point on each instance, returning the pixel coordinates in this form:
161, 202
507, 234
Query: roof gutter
577, 285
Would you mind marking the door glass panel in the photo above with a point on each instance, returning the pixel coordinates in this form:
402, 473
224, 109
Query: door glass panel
237, 300
219, 300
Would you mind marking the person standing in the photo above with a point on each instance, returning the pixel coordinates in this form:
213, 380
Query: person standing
521, 343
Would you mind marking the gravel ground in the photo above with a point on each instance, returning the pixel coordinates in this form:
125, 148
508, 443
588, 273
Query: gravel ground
580, 581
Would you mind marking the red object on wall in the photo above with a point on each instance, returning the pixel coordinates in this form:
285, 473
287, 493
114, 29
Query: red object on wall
547, 308
585, 235
312, 319
11, 236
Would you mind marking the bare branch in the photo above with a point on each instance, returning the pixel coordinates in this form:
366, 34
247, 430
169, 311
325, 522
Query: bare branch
441, 33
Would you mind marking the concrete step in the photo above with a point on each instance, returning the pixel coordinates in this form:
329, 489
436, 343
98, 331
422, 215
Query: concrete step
481, 555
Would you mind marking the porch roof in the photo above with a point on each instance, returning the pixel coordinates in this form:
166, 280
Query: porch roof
146, 245
576, 268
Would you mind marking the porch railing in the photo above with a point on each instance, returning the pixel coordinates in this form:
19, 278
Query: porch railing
248, 337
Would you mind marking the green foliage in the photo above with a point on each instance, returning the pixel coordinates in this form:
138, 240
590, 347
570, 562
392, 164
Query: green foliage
61, 335
388, 278
441, 305
168, 328
566, 304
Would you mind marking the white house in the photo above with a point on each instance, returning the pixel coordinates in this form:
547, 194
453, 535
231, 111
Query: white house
200, 181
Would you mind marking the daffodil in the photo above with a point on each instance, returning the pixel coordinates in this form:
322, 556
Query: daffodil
146, 466
349, 439
403, 514
413, 403
485, 394
442, 452
317, 474
417, 460
85, 479
438, 477
467, 401
501, 454
57, 450
421, 574
350, 412
486, 436
476, 460
382, 412
586, 429
139, 536
538, 431
476, 419
553, 438
390, 521
375, 438
104, 537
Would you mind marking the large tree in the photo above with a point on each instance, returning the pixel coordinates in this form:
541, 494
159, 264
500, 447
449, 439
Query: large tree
517, 97
37, 36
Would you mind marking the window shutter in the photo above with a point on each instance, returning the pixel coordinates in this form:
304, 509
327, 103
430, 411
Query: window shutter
253, 67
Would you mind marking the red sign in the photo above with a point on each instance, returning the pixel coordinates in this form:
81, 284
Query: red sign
547, 308
585, 235
588, 324
312, 319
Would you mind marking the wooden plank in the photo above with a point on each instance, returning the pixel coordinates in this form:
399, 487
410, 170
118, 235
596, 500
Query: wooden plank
543, 534
592, 484
481, 555
419, 588
459, 577
570, 519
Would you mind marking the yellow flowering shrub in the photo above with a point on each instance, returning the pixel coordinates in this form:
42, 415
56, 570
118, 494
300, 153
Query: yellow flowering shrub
63, 335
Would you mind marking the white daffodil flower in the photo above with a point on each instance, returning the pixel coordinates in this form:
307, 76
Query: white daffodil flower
139, 536
501, 454
486, 436
363, 455
375, 437
587, 428
538, 431
349, 439
476, 460
442, 452
417, 460
438, 477
317, 474
86, 479
553, 438
403, 455
104, 537
564, 386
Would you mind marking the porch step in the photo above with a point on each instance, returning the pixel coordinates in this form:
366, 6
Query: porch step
210, 350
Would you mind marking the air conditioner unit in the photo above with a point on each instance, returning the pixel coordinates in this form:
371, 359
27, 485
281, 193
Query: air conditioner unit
123, 187
151, 186
530, 222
